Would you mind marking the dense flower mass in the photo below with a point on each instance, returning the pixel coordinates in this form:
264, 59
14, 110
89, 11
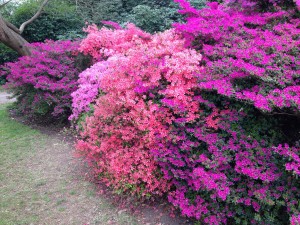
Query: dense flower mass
251, 57
223, 174
101, 44
106, 42
44, 81
203, 113
117, 139
206, 113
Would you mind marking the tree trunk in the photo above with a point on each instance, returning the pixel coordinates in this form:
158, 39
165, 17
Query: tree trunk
12, 39
11, 35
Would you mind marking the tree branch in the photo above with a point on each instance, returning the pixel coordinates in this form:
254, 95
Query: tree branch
38, 13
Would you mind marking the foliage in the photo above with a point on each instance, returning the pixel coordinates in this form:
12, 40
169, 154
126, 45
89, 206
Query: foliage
263, 5
58, 19
44, 81
224, 172
151, 16
152, 19
218, 128
96, 11
6, 55
8, 8
262, 49
116, 139
156, 17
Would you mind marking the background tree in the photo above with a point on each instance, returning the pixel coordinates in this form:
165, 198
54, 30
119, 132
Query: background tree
59, 20
11, 36
56, 21
151, 16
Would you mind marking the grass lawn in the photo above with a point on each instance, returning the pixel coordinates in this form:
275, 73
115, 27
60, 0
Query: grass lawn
16, 145
38, 184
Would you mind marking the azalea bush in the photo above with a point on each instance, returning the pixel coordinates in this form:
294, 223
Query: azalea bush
44, 81
225, 175
207, 114
236, 163
250, 57
100, 45
140, 71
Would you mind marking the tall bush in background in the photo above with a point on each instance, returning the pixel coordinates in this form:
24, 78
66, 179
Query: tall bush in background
59, 20
151, 16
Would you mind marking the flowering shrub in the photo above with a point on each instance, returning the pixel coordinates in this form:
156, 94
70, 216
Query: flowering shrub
44, 81
101, 44
223, 175
227, 164
253, 57
166, 120
118, 137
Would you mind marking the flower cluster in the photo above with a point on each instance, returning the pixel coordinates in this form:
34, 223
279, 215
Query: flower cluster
101, 44
249, 57
223, 175
44, 81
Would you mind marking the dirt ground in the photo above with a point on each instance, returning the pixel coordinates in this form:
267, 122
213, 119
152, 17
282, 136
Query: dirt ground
66, 194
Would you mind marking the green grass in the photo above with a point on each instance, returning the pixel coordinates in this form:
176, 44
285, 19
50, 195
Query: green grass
16, 145
20, 199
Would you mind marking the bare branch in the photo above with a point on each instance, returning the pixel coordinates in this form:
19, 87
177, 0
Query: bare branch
5, 3
38, 13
